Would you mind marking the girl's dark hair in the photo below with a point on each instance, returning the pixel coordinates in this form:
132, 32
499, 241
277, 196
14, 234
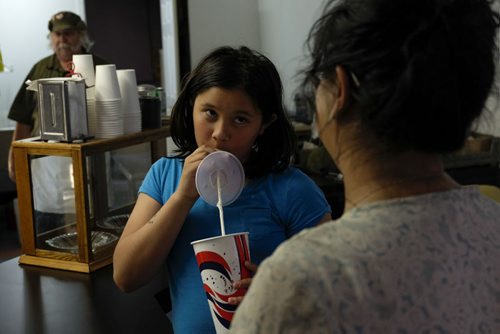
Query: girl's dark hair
425, 67
245, 69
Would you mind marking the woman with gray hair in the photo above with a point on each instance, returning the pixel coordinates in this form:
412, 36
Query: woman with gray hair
397, 83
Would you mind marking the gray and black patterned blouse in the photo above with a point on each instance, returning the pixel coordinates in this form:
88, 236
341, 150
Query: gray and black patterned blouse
423, 264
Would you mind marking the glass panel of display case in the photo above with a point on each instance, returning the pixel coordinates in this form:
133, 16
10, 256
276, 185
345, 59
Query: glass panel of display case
54, 212
128, 167
122, 171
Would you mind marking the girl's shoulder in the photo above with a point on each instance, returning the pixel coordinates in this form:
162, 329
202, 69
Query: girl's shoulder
291, 183
292, 177
165, 166
167, 162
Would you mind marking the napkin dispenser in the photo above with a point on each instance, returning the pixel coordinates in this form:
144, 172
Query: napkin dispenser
62, 109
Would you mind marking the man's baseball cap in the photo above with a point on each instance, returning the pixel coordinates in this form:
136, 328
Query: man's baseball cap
66, 21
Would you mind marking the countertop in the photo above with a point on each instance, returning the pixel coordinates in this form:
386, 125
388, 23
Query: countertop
41, 300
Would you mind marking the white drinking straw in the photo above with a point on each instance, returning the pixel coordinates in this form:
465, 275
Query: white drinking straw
219, 205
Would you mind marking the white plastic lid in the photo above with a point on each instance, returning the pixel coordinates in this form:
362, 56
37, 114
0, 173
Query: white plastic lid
231, 173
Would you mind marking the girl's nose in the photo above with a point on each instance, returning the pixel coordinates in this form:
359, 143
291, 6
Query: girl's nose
221, 132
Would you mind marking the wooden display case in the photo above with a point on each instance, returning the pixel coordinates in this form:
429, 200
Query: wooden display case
100, 184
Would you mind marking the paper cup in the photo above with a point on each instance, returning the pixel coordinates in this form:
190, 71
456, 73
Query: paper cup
128, 90
106, 83
221, 261
84, 67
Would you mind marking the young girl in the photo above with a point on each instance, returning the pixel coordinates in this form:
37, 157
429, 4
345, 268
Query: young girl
233, 102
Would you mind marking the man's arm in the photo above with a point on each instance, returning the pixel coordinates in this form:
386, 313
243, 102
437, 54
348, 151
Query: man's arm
20, 132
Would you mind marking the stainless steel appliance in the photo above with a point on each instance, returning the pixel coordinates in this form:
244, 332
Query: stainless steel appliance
63, 109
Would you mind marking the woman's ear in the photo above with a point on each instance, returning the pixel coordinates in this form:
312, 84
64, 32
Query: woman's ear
342, 91
266, 125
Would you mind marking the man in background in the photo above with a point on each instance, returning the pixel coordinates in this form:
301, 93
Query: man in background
51, 175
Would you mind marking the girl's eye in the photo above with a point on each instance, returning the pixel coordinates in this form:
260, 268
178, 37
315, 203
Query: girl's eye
210, 113
240, 120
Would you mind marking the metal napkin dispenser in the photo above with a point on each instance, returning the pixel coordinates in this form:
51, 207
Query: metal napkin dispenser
63, 109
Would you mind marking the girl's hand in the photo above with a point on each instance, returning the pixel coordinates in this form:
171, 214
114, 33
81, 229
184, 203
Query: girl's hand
187, 186
244, 283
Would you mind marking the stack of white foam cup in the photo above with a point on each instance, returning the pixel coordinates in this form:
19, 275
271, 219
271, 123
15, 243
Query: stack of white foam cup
108, 102
84, 68
130, 101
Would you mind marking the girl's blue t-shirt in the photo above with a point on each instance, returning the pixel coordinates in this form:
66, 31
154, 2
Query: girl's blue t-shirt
271, 209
